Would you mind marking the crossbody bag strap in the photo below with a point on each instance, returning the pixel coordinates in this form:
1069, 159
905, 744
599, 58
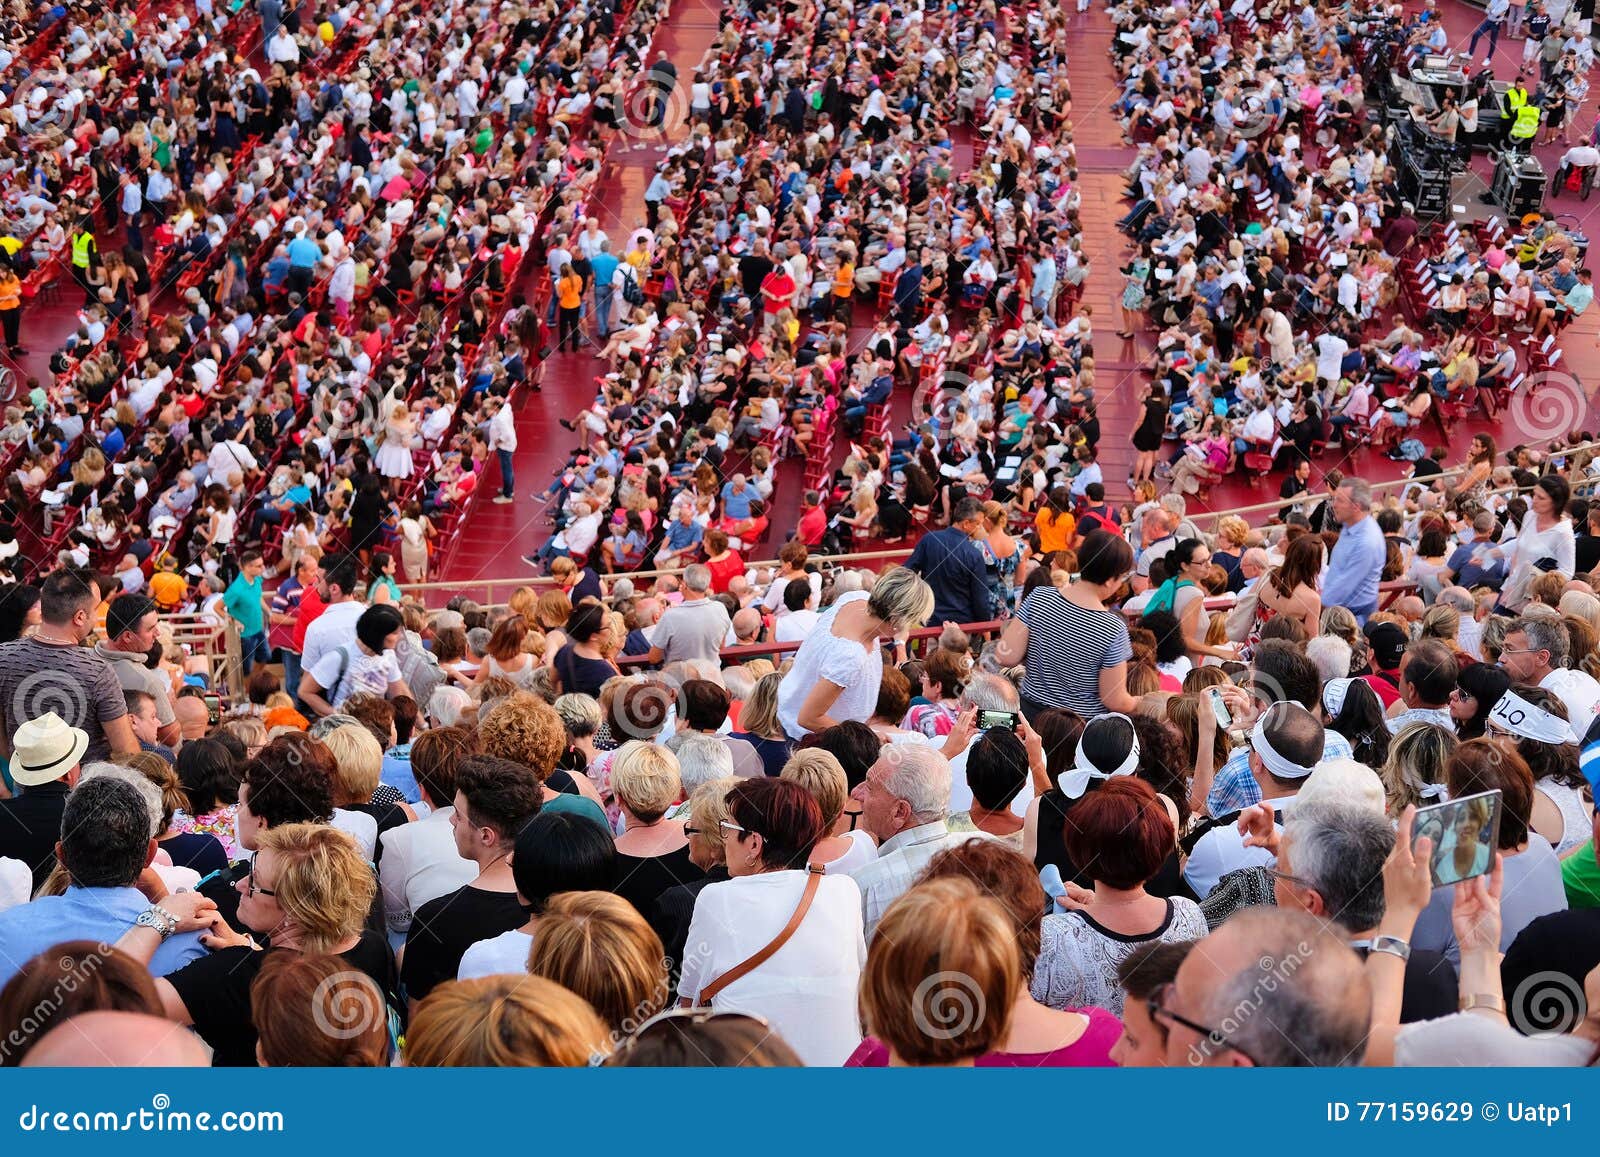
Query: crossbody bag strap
814, 873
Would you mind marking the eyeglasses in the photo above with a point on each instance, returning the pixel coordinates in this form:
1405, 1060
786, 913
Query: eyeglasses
1286, 877
692, 831
732, 827
1156, 1007
251, 888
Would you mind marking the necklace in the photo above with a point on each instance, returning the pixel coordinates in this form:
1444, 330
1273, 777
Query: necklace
41, 637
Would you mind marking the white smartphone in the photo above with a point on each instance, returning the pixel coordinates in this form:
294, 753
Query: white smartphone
1220, 709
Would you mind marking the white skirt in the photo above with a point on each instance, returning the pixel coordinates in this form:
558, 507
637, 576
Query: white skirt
393, 460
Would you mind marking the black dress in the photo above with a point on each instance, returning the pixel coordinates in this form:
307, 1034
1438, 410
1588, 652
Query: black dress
1152, 425
642, 879
216, 991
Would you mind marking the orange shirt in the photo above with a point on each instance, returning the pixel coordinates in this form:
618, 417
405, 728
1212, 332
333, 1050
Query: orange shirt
844, 282
1054, 533
569, 292
10, 292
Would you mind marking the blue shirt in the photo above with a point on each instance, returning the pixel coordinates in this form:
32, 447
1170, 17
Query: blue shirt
304, 252
736, 504
397, 772
98, 914
1354, 568
604, 266
1235, 788
681, 537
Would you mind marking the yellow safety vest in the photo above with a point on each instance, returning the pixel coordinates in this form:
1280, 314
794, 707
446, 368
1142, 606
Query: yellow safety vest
82, 244
1516, 97
1526, 124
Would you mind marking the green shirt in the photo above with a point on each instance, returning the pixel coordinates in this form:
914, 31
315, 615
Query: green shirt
243, 600
1580, 874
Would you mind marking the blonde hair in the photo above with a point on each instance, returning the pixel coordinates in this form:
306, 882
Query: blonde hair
504, 1022
1233, 530
644, 777
360, 762
759, 715
973, 942
708, 807
552, 610
822, 775
597, 945
901, 598
323, 882
251, 730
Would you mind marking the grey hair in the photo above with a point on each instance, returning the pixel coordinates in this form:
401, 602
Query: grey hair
990, 692
321, 727
149, 793
1545, 635
701, 759
739, 682
1339, 850
920, 775
1360, 492
1330, 655
1305, 1001
446, 704
1457, 598
697, 578
579, 713
1175, 502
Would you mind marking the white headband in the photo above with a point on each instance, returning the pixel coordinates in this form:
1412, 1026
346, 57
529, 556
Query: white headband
1514, 714
1279, 765
1076, 781
1333, 696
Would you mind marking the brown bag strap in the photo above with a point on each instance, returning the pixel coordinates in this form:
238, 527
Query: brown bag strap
814, 873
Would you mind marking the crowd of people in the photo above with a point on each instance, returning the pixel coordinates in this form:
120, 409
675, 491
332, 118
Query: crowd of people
580, 828
1153, 794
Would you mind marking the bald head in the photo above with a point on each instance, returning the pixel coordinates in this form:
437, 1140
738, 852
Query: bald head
747, 625
1280, 988
118, 1040
193, 716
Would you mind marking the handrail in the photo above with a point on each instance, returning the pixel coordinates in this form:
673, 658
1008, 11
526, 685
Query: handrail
744, 651
489, 586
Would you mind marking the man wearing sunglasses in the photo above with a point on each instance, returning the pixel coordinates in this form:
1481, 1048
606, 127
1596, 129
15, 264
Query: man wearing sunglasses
1269, 987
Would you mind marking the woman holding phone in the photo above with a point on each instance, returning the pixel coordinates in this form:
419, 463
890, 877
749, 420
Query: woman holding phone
1532, 871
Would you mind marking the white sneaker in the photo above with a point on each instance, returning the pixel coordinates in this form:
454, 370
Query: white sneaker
502, 499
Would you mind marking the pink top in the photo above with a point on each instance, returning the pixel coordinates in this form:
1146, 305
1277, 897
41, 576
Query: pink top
1092, 1050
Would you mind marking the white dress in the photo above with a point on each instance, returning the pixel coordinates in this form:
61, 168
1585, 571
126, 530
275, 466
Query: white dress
393, 458
807, 990
842, 662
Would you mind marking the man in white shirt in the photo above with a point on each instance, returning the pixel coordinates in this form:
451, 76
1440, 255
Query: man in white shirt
335, 627
502, 432
420, 861
1285, 747
905, 802
229, 457
1536, 652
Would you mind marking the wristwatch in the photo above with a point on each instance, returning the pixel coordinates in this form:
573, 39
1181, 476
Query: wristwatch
1393, 945
158, 920
1483, 1000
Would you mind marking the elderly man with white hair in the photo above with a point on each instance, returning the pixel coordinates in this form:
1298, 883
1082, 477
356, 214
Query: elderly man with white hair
1330, 655
905, 803
701, 759
696, 627
447, 704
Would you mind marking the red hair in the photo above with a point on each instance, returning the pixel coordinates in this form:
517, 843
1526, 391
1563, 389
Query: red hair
1119, 834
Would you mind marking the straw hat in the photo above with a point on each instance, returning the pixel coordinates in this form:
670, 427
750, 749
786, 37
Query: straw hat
45, 749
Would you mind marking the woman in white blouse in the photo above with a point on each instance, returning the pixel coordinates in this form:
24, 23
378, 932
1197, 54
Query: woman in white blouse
806, 990
1545, 534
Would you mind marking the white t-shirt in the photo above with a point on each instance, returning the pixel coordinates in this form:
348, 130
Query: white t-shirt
795, 626
502, 955
362, 672
16, 883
